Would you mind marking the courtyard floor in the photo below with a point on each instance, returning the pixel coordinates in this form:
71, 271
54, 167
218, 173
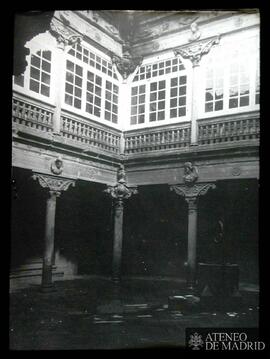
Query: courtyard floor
90, 313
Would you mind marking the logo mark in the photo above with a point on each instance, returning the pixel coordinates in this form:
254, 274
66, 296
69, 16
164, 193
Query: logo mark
195, 341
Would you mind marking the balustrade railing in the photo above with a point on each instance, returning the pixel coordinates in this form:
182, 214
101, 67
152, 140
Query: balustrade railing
228, 130
155, 140
210, 131
32, 116
87, 133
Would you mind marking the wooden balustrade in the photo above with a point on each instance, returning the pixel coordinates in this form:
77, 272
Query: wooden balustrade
30, 115
154, 140
228, 130
86, 133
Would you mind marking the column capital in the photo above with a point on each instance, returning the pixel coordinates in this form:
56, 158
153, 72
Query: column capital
121, 191
195, 50
192, 192
54, 184
64, 35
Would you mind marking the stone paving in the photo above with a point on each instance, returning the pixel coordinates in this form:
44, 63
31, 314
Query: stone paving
91, 313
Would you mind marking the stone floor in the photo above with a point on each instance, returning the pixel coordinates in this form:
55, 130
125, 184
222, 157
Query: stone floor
89, 313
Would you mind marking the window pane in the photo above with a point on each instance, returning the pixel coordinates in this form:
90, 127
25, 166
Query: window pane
47, 55
69, 77
34, 73
161, 116
244, 101
45, 78
68, 100
70, 66
141, 119
46, 66
153, 86
45, 90
69, 88
218, 105
35, 61
209, 107
152, 116
34, 86
97, 111
233, 103
182, 111
173, 113
134, 91
77, 103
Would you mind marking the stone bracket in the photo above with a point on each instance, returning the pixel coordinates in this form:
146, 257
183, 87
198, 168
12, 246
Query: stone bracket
192, 192
196, 50
53, 183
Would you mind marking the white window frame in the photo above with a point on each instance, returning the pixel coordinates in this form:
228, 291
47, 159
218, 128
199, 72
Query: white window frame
34, 46
82, 111
167, 77
237, 39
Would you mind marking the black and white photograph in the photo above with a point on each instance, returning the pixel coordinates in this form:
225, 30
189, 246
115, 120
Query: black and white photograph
135, 168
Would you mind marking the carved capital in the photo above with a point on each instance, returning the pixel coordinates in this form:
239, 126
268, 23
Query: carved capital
127, 64
190, 193
64, 35
121, 191
54, 184
196, 50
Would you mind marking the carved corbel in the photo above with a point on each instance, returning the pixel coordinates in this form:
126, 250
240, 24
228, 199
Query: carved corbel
196, 50
127, 64
54, 184
64, 36
191, 193
121, 191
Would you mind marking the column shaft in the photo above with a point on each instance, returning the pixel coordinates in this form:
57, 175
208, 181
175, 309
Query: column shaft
117, 241
192, 242
48, 256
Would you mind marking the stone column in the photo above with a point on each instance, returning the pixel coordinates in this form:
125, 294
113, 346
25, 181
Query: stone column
191, 192
192, 240
119, 193
55, 185
118, 239
194, 52
48, 255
